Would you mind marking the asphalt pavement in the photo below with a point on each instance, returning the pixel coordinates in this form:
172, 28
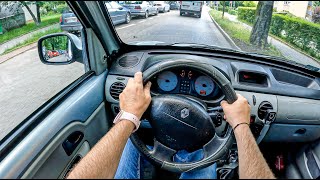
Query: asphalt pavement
170, 27
26, 83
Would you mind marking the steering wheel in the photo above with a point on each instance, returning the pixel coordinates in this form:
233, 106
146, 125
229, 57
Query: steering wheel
181, 123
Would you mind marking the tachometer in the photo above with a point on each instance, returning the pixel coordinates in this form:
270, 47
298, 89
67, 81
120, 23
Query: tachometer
167, 81
204, 85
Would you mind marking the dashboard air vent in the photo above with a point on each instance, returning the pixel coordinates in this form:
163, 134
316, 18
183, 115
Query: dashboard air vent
128, 61
262, 110
116, 89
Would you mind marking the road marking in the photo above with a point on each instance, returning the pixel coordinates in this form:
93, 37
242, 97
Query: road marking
127, 26
142, 21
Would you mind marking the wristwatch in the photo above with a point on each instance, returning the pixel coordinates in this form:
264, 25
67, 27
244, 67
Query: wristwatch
122, 115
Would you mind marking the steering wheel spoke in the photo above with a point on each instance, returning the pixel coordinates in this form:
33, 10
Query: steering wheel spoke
160, 151
217, 143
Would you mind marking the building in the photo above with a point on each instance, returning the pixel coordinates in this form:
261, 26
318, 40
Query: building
33, 8
301, 9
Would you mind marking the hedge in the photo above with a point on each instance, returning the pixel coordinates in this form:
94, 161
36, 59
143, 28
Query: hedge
232, 12
299, 32
247, 14
294, 30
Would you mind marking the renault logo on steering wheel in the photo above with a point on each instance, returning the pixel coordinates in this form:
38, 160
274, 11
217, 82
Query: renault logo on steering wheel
184, 113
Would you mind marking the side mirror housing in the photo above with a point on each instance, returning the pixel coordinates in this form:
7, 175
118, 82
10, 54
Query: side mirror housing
60, 48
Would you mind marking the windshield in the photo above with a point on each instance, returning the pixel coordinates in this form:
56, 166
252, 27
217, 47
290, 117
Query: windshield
287, 30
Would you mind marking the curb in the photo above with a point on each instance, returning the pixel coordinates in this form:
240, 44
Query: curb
13, 54
224, 33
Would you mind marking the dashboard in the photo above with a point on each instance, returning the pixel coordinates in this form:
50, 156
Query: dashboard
186, 82
292, 95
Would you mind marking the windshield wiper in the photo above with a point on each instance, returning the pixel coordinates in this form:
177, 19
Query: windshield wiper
212, 47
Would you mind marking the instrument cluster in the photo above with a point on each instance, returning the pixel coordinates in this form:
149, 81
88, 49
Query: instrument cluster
186, 81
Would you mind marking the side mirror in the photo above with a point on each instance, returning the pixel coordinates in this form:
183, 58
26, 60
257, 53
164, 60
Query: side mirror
60, 48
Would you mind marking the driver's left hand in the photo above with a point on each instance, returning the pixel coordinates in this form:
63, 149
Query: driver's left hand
135, 98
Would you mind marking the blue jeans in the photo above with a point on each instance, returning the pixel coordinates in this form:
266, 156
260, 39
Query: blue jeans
132, 163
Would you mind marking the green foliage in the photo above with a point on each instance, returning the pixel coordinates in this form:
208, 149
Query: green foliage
294, 30
29, 27
299, 32
232, 12
249, 4
32, 39
235, 30
241, 35
61, 7
247, 14
315, 3
55, 43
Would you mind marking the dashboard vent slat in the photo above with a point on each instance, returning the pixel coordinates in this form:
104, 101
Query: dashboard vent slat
128, 61
116, 89
263, 108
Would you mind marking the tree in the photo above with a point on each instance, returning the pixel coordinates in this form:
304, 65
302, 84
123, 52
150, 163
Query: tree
26, 4
260, 30
223, 9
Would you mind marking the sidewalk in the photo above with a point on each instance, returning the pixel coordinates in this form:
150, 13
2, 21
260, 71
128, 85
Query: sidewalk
20, 39
286, 50
4, 58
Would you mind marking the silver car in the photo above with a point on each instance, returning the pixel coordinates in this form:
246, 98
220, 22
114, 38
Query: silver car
141, 8
162, 6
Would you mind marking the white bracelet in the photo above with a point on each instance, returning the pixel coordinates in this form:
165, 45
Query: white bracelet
122, 115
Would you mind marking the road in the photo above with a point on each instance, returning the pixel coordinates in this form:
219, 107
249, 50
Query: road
170, 27
26, 83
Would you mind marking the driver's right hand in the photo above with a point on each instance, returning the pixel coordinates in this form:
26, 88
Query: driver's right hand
237, 112
135, 98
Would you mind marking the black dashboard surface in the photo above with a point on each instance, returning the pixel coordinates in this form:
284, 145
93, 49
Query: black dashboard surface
292, 94
279, 80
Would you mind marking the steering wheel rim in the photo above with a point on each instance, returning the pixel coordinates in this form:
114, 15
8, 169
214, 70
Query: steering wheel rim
161, 154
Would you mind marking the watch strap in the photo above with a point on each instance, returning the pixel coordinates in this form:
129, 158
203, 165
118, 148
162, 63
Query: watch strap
123, 115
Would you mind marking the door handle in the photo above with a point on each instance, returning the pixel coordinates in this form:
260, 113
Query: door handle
72, 141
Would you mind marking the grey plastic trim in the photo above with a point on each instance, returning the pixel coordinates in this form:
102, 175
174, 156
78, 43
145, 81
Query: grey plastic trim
287, 133
63, 134
259, 99
84, 150
298, 110
77, 107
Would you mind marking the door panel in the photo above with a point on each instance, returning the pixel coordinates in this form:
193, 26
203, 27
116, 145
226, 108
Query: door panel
82, 110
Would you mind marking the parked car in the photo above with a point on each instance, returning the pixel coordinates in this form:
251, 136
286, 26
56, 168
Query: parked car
141, 8
118, 13
162, 6
69, 22
191, 8
174, 5
52, 53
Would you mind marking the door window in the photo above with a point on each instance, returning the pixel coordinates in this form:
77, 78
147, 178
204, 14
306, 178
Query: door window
25, 82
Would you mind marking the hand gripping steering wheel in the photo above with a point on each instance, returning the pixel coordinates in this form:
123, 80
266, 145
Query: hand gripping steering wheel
180, 123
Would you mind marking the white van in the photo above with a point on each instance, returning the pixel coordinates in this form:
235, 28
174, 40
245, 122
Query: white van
191, 8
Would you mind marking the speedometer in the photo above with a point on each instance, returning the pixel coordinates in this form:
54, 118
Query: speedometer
204, 85
167, 81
